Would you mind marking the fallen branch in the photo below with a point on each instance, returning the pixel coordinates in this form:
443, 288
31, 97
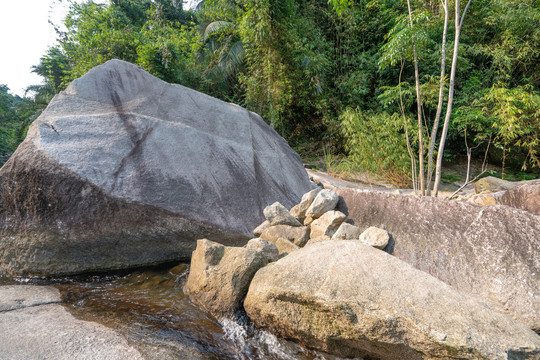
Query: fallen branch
466, 183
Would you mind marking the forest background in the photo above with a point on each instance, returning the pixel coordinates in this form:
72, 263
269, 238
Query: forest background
342, 82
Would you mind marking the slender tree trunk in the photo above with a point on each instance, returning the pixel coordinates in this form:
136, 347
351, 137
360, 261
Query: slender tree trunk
409, 149
433, 137
419, 109
459, 23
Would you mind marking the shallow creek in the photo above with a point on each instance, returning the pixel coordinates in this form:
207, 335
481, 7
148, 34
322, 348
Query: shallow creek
151, 310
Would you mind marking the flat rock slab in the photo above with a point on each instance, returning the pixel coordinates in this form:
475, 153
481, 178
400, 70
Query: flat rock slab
333, 183
33, 326
487, 252
123, 170
17, 296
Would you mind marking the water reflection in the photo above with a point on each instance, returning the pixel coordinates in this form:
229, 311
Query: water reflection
151, 310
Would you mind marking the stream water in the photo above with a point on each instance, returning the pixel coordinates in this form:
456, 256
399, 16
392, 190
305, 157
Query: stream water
151, 310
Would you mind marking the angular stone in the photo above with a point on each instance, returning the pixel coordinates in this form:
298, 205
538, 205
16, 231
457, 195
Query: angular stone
124, 170
327, 224
351, 300
259, 229
485, 199
376, 237
219, 275
277, 214
318, 239
34, 326
299, 235
285, 247
525, 197
488, 252
325, 200
266, 248
493, 184
299, 210
347, 231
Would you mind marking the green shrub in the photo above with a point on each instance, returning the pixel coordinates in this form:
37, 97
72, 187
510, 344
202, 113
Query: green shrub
376, 143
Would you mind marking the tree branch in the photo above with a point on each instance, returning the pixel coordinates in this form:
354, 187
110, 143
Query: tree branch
467, 183
464, 12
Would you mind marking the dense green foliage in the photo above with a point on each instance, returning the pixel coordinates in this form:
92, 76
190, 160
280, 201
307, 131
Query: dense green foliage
344, 78
16, 114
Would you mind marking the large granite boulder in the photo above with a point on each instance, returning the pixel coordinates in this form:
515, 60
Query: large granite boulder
219, 275
493, 184
526, 197
123, 169
487, 252
352, 300
33, 325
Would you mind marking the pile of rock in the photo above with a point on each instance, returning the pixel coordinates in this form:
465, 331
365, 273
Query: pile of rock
313, 220
220, 275
304, 279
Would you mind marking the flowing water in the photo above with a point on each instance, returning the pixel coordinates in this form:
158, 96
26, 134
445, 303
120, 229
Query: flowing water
150, 309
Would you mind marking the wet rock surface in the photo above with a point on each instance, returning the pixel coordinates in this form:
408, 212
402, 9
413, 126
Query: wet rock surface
33, 325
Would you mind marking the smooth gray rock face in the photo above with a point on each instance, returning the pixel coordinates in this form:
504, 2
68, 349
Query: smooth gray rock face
487, 252
15, 297
123, 169
352, 300
38, 328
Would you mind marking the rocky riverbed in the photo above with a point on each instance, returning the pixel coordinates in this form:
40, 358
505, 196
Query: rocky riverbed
124, 171
146, 311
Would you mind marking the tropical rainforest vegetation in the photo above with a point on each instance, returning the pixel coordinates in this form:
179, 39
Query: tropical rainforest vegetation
363, 78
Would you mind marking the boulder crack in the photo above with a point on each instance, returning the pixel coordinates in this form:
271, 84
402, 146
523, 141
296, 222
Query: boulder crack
30, 306
135, 152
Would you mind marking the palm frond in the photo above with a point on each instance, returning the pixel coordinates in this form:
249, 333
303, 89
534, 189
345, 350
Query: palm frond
215, 27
